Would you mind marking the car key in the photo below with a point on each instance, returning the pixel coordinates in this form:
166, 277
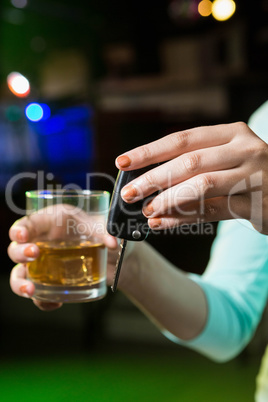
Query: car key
126, 221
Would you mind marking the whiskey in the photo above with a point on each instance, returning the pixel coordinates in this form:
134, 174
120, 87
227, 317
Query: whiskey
68, 264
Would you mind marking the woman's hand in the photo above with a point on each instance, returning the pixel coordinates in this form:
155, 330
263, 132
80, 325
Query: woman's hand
22, 250
209, 174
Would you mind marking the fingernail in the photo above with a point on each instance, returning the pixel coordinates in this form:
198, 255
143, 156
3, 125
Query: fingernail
24, 290
148, 210
123, 161
155, 223
29, 252
20, 236
129, 193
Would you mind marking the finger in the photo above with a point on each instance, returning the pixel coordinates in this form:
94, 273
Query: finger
45, 306
18, 282
22, 287
19, 232
199, 188
29, 227
49, 219
176, 144
23, 252
181, 169
110, 242
212, 210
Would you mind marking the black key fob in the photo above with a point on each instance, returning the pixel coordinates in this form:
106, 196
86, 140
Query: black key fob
127, 221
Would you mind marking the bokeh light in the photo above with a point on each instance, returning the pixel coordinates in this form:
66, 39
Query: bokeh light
13, 113
205, 8
222, 10
18, 84
19, 3
37, 111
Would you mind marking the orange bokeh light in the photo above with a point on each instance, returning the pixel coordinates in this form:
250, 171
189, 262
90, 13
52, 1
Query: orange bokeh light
18, 84
205, 8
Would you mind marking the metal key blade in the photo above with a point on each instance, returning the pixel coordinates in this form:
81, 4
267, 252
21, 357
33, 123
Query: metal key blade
119, 261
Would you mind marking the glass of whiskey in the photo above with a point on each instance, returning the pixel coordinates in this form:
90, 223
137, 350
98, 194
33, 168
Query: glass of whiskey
69, 227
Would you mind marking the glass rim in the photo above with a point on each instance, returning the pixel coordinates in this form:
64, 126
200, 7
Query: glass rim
46, 194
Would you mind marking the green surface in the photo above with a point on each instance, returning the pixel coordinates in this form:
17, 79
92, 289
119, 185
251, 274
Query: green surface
36, 362
147, 374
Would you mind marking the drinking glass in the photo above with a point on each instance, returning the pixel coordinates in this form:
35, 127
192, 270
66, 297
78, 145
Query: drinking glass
69, 228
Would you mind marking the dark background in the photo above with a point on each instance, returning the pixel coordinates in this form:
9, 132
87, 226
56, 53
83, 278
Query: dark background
115, 74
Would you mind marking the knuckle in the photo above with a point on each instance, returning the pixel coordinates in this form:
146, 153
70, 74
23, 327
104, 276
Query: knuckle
149, 180
203, 183
145, 153
191, 162
210, 210
240, 126
239, 129
180, 139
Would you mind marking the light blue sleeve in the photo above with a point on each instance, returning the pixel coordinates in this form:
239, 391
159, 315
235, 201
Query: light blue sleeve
236, 286
235, 282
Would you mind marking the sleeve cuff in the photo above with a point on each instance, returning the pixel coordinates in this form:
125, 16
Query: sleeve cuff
218, 339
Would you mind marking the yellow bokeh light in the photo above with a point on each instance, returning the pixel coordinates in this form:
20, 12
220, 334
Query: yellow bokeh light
205, 8
222, 10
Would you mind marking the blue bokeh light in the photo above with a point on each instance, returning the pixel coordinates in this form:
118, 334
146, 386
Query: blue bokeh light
65, 140
37, 111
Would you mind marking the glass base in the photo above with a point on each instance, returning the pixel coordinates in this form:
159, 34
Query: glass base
69, 294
